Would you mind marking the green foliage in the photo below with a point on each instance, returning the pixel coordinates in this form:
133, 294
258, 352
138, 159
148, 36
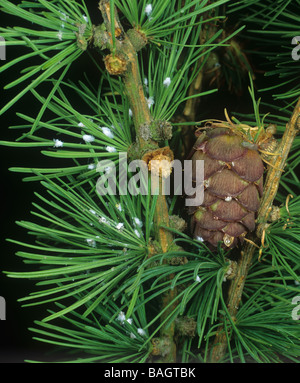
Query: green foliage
96, 266
273, 25
56, 45
102, 338
159, 19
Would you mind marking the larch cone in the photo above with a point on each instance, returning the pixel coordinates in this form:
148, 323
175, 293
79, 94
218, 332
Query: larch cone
233, 187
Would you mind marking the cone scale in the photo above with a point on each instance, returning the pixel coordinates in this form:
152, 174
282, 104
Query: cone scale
233, 186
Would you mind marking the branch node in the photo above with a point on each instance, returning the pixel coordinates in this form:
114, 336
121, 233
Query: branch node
275, 214
185, 326
161, 346
100, 37
116, 65
81, 40
177, 223
231, 270
137, 38
159, 130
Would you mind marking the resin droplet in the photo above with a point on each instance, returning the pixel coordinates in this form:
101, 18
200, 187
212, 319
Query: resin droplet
228, 240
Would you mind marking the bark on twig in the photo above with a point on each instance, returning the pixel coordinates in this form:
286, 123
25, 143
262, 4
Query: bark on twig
161, 218
123, 61
124, 50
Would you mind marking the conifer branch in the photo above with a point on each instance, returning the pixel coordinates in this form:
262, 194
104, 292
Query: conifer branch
270, 190
129, 284
277, 167
123, 61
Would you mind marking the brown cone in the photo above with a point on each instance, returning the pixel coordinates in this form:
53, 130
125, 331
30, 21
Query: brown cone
233, 175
